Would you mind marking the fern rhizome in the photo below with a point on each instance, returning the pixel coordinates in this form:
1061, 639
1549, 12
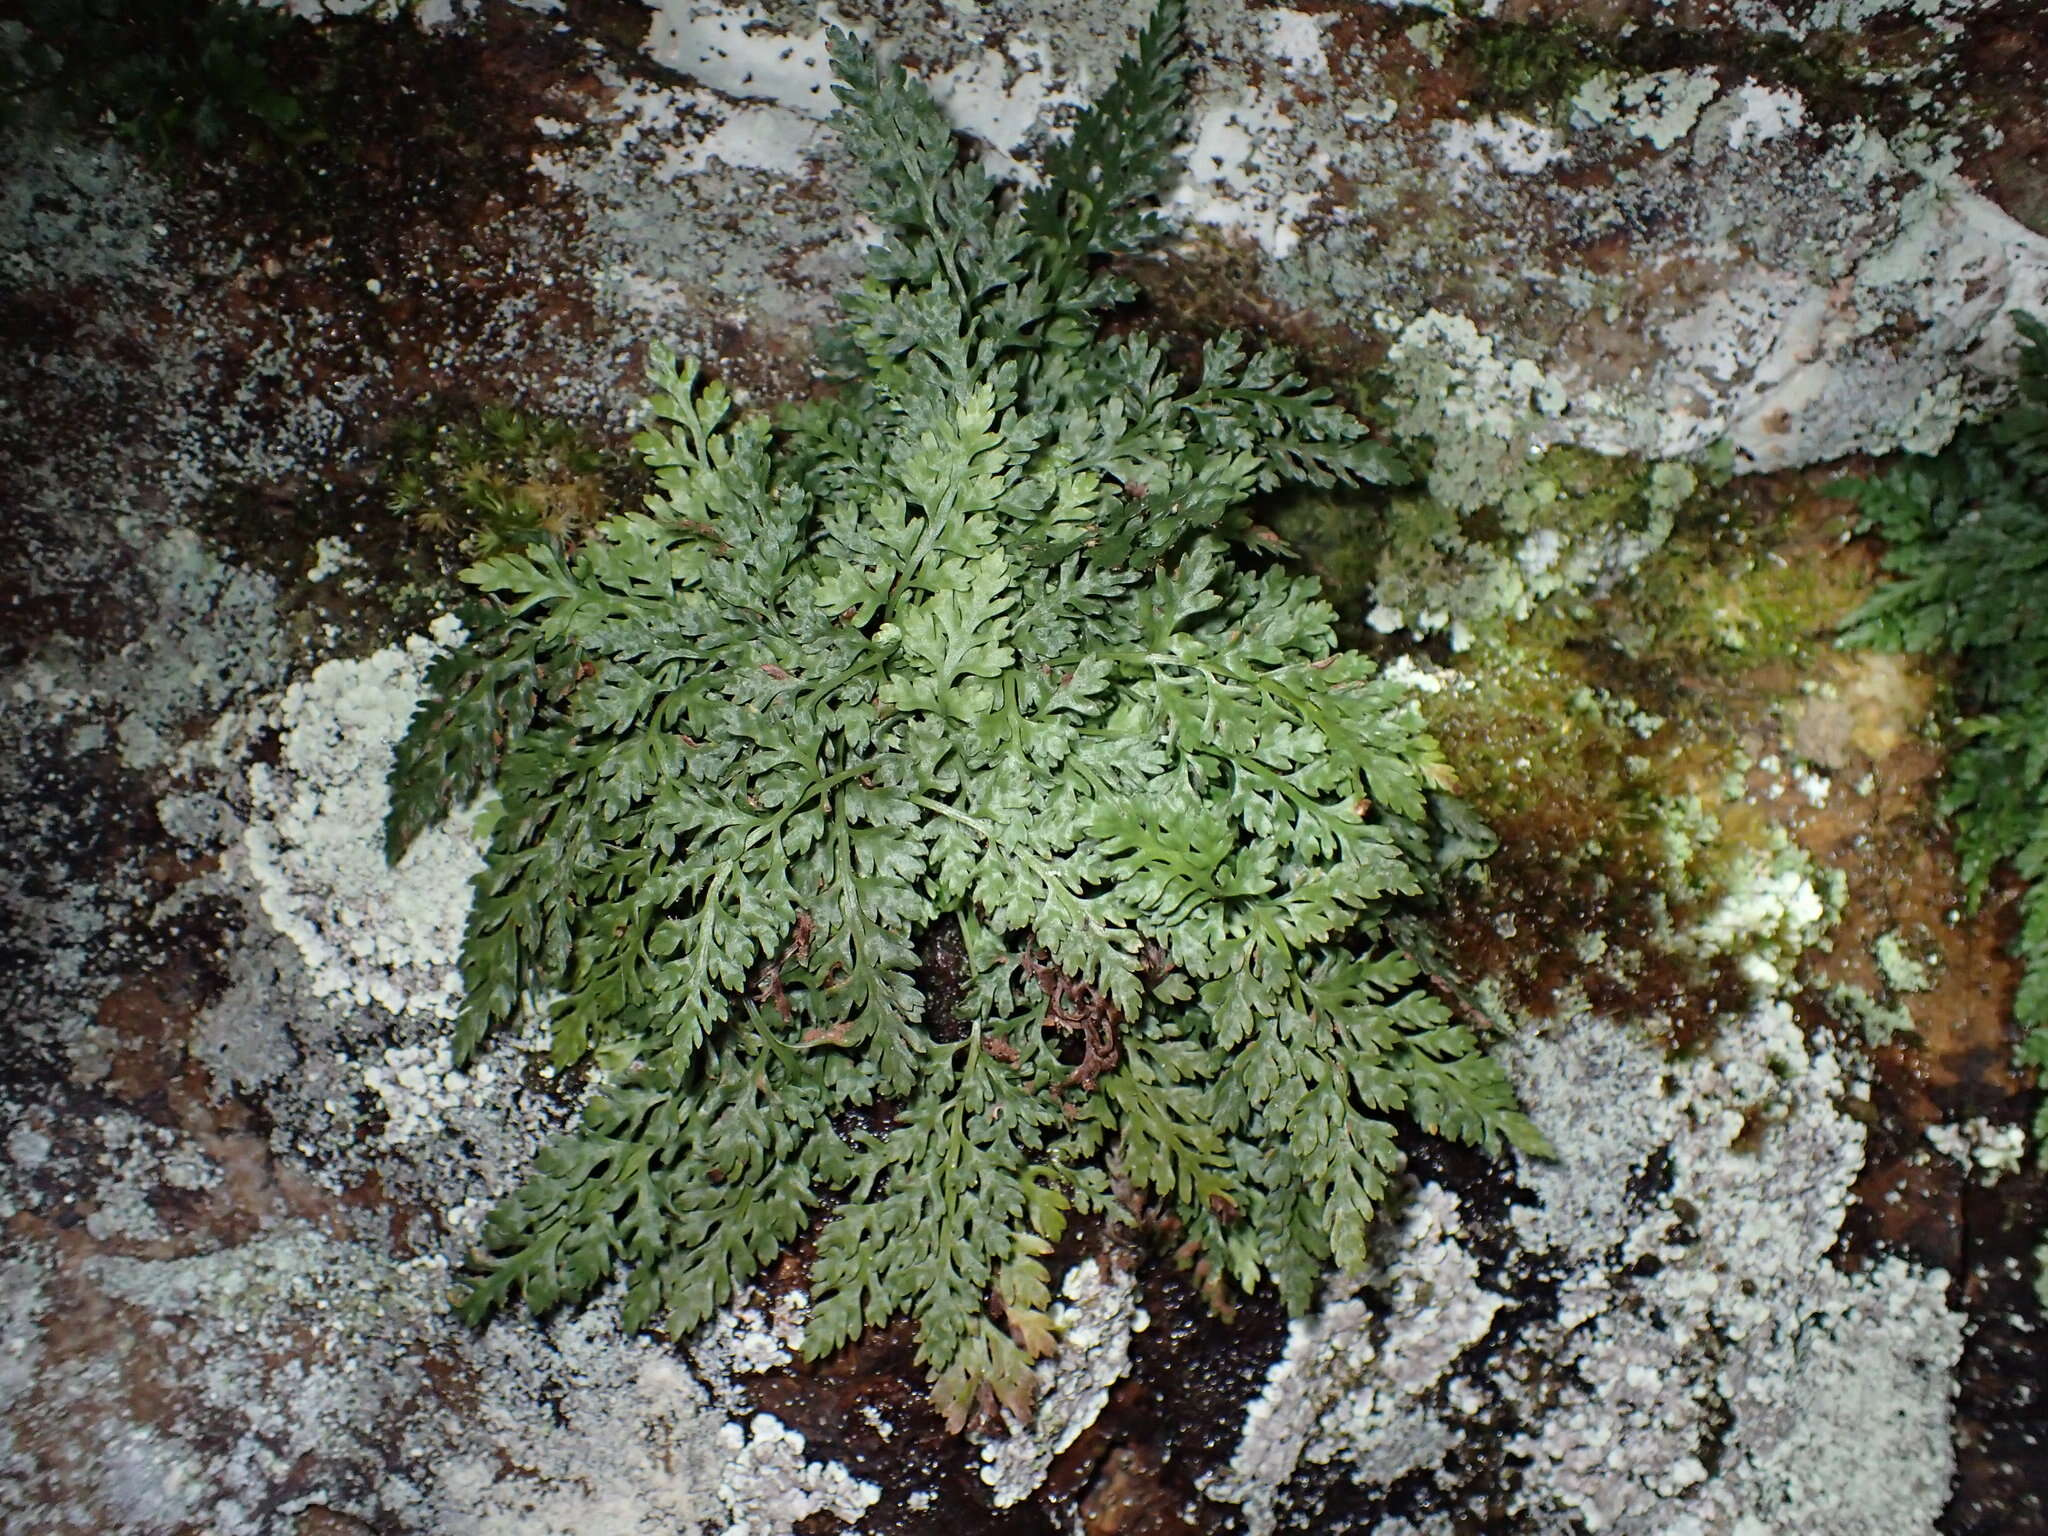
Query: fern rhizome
957, 660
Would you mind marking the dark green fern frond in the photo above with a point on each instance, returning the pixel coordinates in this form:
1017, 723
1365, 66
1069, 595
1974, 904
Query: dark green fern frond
1102, 184
899, 135
478, 698
1256, 402
691, 1185
960, 654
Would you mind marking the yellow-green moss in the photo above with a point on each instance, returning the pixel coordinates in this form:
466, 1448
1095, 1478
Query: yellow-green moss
1536, 67
502, 478
1607, 725
1564, 528
1739, 586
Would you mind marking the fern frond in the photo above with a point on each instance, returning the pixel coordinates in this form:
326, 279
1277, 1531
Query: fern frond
897, 132
955, 657
1101, 185
478, 698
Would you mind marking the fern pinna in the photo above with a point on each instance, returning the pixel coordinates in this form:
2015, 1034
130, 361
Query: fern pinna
959, 656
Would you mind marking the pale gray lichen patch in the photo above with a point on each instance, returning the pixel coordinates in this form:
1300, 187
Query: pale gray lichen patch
1450, 384
1800, 289
1659, 108
419, 1085
1802, 19
679, 215
769, 1487
1363, 1383
632, 1450
1903, 971
1695, 1362
1773, 904
368, 930
211, 640
1986, 1149
293, 1276
751, 1335
249, 1328
1434, 574
75, 212
1253, 165
628, 1448
314, 1364
1701, 1322
105, 1176
1093, 1323
23, 1300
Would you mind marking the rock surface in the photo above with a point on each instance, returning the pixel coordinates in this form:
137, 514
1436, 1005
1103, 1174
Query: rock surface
238, 1164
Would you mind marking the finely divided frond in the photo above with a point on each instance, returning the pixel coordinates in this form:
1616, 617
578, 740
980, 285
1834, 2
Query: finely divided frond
1103, 181
925, 827
898, 134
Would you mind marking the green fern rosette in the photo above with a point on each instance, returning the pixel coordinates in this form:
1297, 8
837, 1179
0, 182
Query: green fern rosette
917, 815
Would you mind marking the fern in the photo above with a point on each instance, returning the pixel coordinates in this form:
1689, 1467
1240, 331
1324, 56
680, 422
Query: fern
958, 656
1967, 537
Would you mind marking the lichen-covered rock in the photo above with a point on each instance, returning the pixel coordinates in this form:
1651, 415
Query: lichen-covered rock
237, 1172
1682, 1356
367, 929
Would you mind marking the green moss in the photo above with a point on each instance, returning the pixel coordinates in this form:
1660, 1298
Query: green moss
1569, 525
1535, 68
1600, 726
1533, 739
452, 483
1637, 868
1625, 712
504, 478
1745, 581
1525, 66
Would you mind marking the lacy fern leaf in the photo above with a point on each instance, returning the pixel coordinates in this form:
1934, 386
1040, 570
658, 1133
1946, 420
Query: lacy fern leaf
958, 657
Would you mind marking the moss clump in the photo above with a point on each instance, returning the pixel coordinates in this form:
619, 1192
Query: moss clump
1745, 581
1525, 66
1607, 725
1536, 68
504, 478
1636, 873
1569, 525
